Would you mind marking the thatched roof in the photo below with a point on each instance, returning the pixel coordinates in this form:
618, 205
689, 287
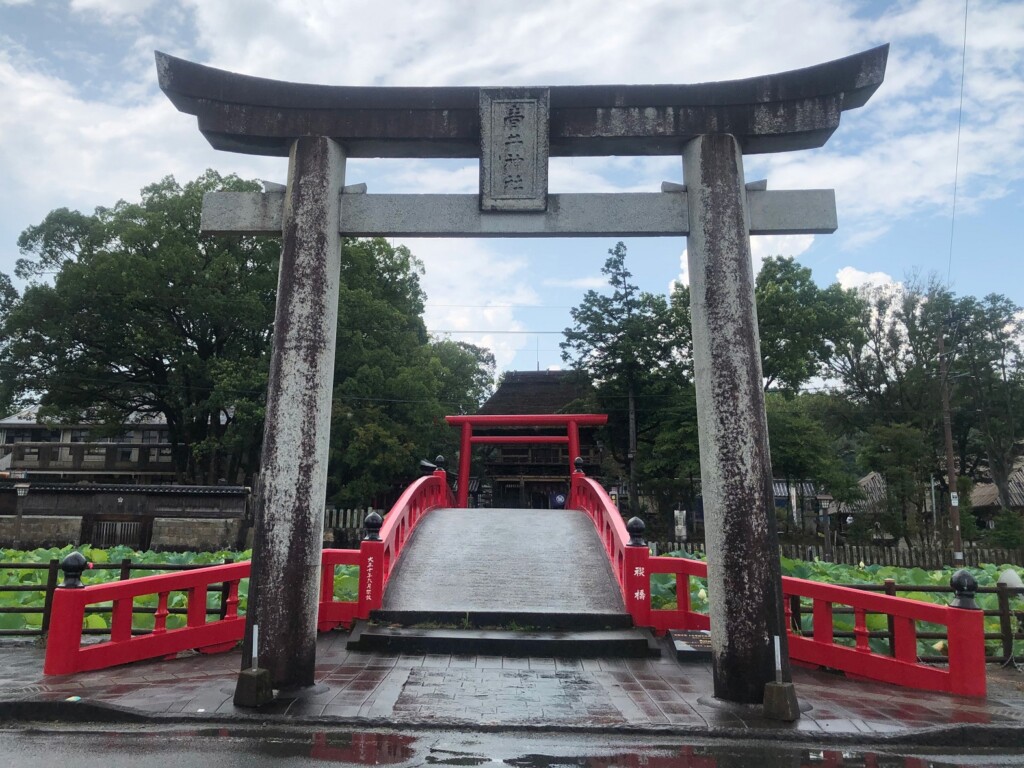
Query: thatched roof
987, 495
529, 392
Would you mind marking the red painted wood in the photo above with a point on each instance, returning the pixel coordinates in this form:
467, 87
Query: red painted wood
571, 421
531, 420
465, 455
632, 566
964, 675
574, 442
518, 439
66, 655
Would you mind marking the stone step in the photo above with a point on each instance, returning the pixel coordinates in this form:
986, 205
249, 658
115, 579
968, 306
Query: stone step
517, 620
604, 643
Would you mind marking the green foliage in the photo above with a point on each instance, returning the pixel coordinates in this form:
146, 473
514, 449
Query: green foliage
146, 317
802, 449
8, 395
899, 453
1008, 531
800, 324
393, 384
634, 346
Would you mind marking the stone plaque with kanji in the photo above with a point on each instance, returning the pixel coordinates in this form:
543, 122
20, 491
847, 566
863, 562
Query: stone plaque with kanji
514, 149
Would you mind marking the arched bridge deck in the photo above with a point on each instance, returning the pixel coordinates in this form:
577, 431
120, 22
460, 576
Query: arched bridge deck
511, 561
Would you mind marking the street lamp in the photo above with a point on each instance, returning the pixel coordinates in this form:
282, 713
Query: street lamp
22, 490
825, 504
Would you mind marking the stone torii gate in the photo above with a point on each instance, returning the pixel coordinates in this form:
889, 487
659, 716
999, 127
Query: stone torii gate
513, 132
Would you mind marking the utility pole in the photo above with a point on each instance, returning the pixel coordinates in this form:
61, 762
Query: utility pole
634, 502
947, 426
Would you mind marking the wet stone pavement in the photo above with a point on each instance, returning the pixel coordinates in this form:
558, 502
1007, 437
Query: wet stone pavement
652, 695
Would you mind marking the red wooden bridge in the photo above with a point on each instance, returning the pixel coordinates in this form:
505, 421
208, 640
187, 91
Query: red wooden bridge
521, 575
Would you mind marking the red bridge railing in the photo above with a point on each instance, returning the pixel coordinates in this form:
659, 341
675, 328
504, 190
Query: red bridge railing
65, 653
376, 559
634, 565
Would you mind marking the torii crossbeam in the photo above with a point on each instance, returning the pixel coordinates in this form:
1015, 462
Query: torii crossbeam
514, 131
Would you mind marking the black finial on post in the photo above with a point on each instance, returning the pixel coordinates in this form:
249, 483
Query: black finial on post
439, 461
579, 463
964, 586
635, 526
73, 565
372, 523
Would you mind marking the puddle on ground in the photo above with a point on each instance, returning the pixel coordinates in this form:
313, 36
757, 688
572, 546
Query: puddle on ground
261, 747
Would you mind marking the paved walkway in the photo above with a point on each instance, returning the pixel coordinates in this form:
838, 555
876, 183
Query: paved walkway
604, 695
517, 562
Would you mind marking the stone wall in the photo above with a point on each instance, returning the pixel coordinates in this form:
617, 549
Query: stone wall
41, 531
182, 534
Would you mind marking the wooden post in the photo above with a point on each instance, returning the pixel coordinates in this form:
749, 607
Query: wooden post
51, 587
1005, 620
465, 458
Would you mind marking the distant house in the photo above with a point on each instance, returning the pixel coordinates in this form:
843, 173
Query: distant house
534, 476
139, 454
70, 484
985, 498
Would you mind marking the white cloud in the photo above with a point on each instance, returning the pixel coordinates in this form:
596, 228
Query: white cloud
851, 277
61, 145
585, 283
110, 11
761, 247
472, 293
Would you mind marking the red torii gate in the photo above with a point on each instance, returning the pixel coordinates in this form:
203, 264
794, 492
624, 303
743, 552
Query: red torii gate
571, 421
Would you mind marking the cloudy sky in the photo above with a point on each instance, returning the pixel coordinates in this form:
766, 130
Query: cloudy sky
82, 124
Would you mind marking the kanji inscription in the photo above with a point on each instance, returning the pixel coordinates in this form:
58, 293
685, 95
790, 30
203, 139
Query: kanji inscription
514, 149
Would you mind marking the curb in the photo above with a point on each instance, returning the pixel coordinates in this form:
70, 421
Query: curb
965, 735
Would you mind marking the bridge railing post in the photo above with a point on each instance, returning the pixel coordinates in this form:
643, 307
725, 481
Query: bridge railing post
371, 567
637, 578
966, 637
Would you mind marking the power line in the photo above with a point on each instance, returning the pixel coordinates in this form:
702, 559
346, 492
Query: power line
956, 164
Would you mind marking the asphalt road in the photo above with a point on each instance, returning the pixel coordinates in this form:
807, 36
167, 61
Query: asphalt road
46, 746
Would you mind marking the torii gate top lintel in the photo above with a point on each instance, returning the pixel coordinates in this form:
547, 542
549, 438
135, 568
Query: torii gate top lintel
798, 109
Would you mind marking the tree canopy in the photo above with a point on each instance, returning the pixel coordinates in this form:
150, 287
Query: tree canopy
145, 317
853, 386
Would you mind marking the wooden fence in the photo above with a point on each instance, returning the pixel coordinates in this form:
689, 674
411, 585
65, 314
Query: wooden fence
929, 558
343, 528
347, 519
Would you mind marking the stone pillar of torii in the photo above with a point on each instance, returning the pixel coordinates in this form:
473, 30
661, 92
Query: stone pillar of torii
513, 132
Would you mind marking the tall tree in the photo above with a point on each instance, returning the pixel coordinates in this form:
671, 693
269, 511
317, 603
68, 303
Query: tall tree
991, 364
800, 324
146, 317
8, 298
393, 384
902, 456
627, 341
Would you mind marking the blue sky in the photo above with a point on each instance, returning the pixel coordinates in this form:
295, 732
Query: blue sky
83, 124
